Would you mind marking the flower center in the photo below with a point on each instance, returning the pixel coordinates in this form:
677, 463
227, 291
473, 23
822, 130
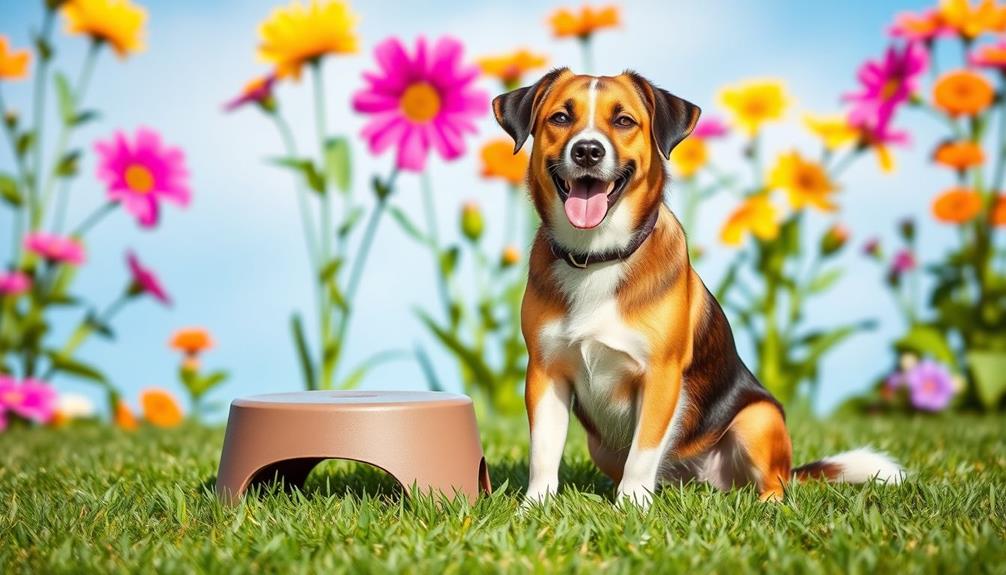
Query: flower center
139, 179
890, 88
12, 398
420, 102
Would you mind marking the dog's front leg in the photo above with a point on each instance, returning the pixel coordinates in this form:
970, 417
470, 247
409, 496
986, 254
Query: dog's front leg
547, 403
655, 408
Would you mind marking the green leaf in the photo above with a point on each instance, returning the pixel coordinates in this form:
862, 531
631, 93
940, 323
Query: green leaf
307, 170
85, 117
68, 164
350, 221
201, 385
76, 368
824, 281
821, 342
428, 371
355, 377
449, 260
43, 47
25, 142
64, 95
307, 368
98, 326
989, 371
927, 340
471, 359
330, 269
411, 229
730, 278
9, 191
338, 298
338, 163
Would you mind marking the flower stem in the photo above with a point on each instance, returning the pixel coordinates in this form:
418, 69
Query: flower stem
38, 110
368, 238
434, 235
310, 235
18, 212
510, 214
86, 328
588, 55
95, 217
325, 319
997, 177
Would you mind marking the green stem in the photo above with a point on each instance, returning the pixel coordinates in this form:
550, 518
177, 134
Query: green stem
588, 55
325, 319
95, 217
290, 147
368, 239
86, 328
18, 212
1000, 169
844, 162
38, 125
434, 235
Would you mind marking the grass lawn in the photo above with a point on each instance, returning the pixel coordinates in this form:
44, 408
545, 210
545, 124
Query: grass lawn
92, 498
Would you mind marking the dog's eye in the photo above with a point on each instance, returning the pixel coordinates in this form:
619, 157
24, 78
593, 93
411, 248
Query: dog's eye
624, 122
559, 118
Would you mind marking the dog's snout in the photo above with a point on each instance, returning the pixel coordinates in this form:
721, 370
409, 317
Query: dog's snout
587, 153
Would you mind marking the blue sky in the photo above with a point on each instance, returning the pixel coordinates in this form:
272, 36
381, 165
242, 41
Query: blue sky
234, 262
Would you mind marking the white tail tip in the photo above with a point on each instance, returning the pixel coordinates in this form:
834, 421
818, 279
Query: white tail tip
865, 464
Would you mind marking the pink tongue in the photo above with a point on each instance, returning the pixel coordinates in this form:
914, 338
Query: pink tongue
587, 204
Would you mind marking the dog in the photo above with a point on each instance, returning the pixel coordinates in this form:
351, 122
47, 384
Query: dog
619, 328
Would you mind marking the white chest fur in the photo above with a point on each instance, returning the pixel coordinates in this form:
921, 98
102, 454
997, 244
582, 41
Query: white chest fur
601, 347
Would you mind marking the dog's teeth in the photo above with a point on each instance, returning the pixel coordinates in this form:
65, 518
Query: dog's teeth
611, 186
569, 184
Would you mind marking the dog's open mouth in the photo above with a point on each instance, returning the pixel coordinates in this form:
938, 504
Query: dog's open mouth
587, 200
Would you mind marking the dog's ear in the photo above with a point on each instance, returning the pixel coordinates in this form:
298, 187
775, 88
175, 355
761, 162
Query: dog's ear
515, 110
672, 118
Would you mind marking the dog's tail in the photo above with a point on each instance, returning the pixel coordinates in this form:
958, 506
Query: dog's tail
856, 466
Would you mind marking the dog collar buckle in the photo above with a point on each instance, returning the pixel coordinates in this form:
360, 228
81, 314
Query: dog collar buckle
572, 261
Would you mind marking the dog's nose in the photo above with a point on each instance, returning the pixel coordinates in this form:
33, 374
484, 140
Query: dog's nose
587, 153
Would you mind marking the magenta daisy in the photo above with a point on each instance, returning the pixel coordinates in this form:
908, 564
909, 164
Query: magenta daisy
930, 386
54, 248
14, 283
142, 172
32, 399
145, 281
708, 128
886, 84
420, 100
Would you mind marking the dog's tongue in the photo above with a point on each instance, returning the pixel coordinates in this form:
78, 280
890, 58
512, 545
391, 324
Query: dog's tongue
587, 203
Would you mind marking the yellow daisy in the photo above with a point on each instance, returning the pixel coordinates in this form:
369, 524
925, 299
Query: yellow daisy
116, 22
755, 216
973, 21
834, 131
297, 35
753, 103
690, 156
806, 182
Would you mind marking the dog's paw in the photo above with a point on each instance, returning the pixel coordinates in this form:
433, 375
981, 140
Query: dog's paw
639, 495
537, 494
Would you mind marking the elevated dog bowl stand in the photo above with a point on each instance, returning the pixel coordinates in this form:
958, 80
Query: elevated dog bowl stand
425, 439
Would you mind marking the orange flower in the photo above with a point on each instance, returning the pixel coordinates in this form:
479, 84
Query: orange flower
998, 215
957, 205
499, 161
191, 341
160, 408
510, 68
970, 22
963, 92
124, 417
566, 22
13, 63
510, 256
959, 155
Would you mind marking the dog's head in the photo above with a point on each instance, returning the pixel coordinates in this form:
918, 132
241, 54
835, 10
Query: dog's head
600, 145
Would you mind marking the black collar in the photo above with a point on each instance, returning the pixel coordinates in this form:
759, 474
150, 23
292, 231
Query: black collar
582, 260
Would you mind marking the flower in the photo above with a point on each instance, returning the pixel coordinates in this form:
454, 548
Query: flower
923, 26
31, 399
930, 386
959, 155
124, 417
566, 22
990, 56
54, 248
13, 63
835, 131
957, 205
160, 408
690, 156
141, 173
499, 161
144, 280
14, 283
117, 22
258, 91
709, 128
834, 239
997, 216
70, 406
903, 261
510, 256
420, 101
963, 93
970, 22
510, 68
191, 341
806, 182
872, 248
755, 102
472, 223
879, 138
297, 35
757, 216
886, 84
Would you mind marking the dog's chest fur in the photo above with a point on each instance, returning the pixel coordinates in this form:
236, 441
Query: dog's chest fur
606, 353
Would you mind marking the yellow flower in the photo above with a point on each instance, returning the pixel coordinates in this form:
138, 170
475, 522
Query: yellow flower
756, 216
834, 131
499, 161
690, 156
971, 22
755, 102
566, 22
510, 68
806, 182
13, 63
117, 22
297, 35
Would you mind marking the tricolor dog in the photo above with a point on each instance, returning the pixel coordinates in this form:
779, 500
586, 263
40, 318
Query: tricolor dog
619, 327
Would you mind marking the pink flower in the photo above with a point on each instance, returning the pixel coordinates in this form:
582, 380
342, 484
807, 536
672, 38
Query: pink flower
144, 281
886, 84
140, 173
904, 261
32, 399
990, 56
258, 91
922, 27
420, 100
930, 386
711, 127
872, 247
55, 248
14, 283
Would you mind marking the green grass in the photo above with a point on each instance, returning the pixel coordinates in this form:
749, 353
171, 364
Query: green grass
92, 498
